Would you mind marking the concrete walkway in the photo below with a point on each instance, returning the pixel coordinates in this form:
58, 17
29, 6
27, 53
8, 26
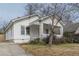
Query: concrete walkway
11, 49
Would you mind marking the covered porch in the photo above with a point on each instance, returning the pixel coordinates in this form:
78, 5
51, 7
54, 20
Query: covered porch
39, 31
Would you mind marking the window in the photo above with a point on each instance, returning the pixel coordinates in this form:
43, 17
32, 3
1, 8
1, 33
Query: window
28, 30
47, 31
22, 30
57, 30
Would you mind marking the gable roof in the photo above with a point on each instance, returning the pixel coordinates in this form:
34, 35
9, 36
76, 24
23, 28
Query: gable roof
18, 19
71, 27
25, 17
44, 18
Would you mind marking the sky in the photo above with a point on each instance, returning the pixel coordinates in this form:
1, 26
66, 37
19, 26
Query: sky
9, 11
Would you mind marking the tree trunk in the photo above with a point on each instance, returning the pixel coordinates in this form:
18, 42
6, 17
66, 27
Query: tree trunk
51, 36
51, 39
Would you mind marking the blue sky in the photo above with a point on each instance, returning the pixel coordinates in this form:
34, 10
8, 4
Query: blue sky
9, 11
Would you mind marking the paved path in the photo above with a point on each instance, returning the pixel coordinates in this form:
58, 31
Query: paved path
11, 49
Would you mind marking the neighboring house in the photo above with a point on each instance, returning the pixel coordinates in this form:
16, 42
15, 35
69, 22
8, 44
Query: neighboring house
72, 28
26, 28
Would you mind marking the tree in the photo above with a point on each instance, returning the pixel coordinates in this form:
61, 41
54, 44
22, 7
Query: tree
45, 9
4, 26
40, 8
32, 8
61, 10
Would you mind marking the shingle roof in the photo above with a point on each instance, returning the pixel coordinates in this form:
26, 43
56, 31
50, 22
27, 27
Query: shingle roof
24, 17
46, 17
18, 19
71, 27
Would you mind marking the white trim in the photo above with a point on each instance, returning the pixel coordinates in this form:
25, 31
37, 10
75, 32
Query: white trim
18, 19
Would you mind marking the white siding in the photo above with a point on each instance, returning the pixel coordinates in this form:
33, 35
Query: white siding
17, 29
48, 21
10, 34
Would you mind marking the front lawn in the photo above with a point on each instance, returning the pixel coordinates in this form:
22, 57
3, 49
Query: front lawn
55, 50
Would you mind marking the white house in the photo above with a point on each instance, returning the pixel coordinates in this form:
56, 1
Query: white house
26, 28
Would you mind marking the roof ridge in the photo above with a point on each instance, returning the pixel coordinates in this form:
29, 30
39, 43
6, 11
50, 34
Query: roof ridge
22, 17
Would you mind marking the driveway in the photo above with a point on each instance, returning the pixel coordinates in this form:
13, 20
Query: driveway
11, 49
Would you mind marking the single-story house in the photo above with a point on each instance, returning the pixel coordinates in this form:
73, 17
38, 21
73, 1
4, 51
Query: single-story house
26, 28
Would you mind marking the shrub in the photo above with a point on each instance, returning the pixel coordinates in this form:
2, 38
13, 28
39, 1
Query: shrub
58, 40
35, 41
76, 39
67, 40
68, 34
39, 41
54, 41
69, 37
46, 40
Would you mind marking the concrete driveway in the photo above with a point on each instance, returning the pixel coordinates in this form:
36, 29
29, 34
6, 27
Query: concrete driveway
11, 49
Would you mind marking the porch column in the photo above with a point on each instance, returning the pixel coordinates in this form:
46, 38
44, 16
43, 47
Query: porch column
41, 30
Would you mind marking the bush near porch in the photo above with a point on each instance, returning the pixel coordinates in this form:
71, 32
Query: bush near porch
71, 37
70, 47
45, 41
68, 37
